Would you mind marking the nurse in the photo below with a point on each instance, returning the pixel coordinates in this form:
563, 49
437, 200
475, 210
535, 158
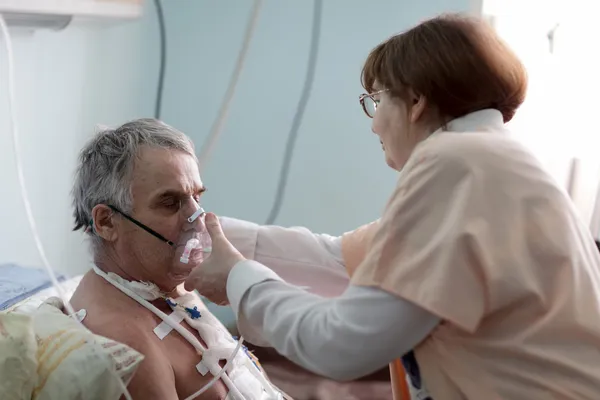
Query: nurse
479, 274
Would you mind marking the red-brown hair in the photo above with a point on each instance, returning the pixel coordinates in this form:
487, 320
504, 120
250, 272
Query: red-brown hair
458, 63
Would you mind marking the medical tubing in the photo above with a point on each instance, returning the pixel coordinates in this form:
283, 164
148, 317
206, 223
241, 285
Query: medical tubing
220, 373
266, 384
146, 304
25, 197
183, 332
233, 390
299, 116
189, 246
163, 58
21, 177
217, 128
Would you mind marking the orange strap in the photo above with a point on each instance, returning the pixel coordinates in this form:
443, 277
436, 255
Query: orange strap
399, 385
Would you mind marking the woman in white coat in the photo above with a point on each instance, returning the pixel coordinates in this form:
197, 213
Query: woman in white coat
479, 275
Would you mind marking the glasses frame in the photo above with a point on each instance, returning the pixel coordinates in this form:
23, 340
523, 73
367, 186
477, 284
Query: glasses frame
362, 98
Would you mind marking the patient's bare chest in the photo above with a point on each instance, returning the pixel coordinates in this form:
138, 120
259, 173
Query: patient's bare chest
175, 349
184, 358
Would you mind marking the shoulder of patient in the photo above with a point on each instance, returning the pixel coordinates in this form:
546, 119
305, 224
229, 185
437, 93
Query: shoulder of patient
134, 332
117, 318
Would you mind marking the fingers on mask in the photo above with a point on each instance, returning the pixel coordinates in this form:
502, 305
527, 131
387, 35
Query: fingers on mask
213, 226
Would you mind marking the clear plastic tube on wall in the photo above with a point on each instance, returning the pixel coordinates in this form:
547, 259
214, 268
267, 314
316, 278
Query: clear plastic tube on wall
206, 150
217, 128
12, 103
299, 115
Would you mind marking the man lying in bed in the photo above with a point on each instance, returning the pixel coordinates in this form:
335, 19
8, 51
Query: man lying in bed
134, 190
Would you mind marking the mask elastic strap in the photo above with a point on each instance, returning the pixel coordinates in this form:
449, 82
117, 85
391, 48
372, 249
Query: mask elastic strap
144, 227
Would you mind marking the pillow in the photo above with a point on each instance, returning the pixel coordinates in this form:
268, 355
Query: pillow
70, 365
17, 356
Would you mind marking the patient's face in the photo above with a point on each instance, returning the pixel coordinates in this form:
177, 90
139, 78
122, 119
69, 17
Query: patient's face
165, 188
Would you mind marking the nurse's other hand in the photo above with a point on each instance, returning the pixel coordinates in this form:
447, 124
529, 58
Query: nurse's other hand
210, 277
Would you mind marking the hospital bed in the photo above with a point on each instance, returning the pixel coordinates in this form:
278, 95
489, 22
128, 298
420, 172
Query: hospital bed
25, 290
304, 385
45, 354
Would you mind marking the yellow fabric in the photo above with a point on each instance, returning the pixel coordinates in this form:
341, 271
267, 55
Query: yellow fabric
18, 347
70, 366
46, 355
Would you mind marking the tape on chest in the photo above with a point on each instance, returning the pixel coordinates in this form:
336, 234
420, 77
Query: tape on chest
164, 328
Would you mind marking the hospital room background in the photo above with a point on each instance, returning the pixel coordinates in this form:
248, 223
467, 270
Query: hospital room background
105, 69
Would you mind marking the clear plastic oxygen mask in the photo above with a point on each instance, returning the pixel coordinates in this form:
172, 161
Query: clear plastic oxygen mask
200, 239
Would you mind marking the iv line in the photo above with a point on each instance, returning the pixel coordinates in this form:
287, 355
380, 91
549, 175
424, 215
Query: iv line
205, 152
187, 335
215, 131
25, 197
284, 172
179, 328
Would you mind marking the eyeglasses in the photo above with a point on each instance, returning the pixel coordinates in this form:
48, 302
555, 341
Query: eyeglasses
368, 102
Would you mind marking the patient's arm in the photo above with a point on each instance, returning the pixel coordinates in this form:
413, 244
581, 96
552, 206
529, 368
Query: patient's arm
154, 379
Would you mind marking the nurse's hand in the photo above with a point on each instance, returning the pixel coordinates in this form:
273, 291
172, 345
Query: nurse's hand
210, 277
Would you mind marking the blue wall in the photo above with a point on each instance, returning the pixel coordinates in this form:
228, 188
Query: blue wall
338, 178
66, 83
69, 81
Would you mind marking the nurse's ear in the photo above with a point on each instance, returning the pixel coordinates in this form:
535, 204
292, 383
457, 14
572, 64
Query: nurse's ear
417, 106
103, 222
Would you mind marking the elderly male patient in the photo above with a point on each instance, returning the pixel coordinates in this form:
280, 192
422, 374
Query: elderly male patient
134, 190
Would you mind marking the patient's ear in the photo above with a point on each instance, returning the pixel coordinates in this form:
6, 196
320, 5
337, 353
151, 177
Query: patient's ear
104, 223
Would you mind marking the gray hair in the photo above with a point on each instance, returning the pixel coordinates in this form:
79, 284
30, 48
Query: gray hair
105, 163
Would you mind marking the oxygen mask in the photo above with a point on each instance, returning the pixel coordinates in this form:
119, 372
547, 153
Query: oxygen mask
193, 243
196, 237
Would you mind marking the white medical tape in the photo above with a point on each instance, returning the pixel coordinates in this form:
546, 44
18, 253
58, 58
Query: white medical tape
80, 315
164, 328
203, 369
195, 215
